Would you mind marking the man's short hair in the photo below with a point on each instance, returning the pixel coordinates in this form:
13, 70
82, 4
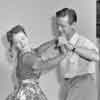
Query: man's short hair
70, 12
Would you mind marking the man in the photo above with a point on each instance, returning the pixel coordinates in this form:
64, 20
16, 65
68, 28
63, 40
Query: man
80, 51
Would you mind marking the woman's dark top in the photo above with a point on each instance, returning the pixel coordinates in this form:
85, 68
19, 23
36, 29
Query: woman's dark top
24, 69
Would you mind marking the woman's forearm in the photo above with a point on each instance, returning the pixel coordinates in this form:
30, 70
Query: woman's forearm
50, 63
45, 46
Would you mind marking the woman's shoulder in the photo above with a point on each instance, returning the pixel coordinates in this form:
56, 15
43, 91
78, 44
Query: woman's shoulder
27, 52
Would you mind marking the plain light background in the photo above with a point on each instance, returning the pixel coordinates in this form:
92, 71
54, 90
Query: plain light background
35, 16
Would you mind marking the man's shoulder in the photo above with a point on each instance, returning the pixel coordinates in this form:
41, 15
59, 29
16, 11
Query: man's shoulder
82, 37
85, 39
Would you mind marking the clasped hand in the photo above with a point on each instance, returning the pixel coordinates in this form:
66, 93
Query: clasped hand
64, 44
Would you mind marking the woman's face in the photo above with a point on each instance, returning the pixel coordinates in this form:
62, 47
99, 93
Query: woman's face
20, 41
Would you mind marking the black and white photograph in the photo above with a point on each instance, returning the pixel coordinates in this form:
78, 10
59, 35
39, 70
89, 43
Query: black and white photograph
49, 49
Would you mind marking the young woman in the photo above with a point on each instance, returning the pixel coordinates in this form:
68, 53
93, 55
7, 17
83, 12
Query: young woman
29, 67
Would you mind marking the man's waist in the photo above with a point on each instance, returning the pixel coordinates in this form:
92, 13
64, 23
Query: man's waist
70, 75
80, 77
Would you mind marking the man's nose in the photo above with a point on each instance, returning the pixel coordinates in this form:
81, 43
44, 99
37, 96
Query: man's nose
60, 29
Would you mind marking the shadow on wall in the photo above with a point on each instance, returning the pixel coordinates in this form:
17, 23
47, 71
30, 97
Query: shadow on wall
55, 32
98, 69
10, 60
60, 78
6, 47
4, 81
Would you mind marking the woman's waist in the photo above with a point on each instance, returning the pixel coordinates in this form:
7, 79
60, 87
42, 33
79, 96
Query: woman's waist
30, 81
27, 77
23, 75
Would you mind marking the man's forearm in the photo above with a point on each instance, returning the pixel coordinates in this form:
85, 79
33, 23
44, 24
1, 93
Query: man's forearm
87, 54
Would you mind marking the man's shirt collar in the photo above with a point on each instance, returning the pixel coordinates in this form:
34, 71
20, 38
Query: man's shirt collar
74, 39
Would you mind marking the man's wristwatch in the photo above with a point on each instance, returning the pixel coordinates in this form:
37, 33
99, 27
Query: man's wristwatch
73, 50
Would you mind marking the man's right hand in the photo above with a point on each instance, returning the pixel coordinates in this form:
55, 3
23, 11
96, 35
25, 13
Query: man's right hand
62, 40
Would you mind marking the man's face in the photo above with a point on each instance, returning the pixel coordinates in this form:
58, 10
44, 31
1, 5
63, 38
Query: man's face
63, 25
